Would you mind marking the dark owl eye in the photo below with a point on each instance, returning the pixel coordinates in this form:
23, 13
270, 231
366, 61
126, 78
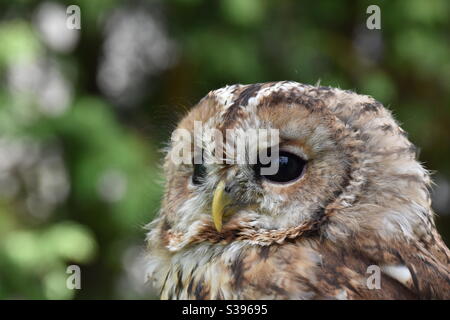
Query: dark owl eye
199, 174
290, 167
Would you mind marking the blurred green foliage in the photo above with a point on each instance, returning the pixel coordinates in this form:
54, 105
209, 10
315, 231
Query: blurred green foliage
78, 183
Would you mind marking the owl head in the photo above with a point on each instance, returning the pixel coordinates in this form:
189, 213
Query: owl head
343, 166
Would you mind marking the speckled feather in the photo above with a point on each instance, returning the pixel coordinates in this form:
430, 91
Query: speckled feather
363, 201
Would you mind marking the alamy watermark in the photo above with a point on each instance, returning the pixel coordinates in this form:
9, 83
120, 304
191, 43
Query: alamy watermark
374, 20
73, 281
73, 21
374, 280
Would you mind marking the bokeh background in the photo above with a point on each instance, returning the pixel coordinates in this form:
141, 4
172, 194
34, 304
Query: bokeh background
84, 113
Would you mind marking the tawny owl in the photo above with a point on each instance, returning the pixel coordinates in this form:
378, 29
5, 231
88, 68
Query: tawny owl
348, 198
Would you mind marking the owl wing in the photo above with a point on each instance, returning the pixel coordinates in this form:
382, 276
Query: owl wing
428, 266
326, 270
408, 270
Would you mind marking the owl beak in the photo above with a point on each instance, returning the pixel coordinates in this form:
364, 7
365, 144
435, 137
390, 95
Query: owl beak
221, 200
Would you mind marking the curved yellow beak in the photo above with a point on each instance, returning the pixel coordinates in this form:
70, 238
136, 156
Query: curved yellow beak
221, 200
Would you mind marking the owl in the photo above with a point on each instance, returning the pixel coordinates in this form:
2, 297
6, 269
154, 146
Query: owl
346, 214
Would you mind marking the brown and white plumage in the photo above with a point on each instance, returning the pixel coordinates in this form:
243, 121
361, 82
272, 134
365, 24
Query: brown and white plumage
363, 200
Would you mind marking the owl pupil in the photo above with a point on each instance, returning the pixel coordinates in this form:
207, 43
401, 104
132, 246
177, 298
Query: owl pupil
199, 174
290, 167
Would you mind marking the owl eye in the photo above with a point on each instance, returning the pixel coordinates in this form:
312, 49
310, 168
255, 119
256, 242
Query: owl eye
199, 174
290, 167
